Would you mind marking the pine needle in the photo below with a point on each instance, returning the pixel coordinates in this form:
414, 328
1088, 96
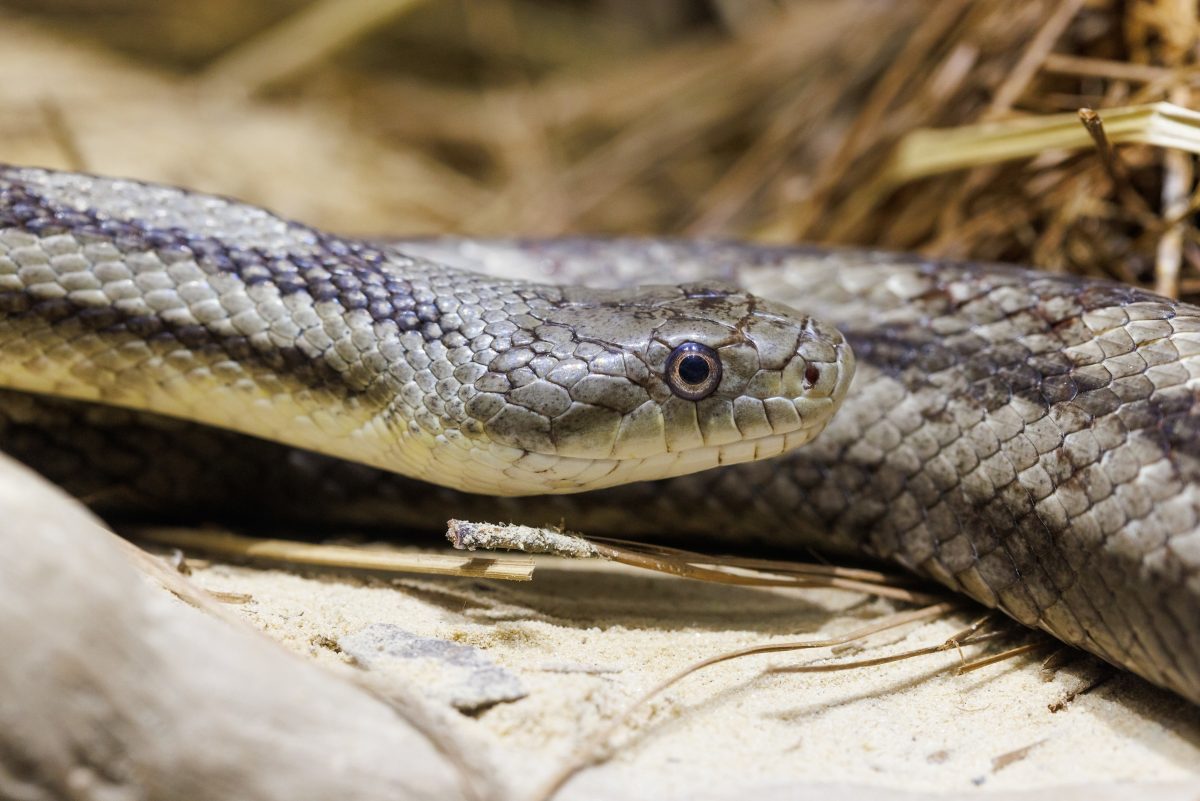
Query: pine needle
684, 564
593, 751
235, 546
299, 43
929, 151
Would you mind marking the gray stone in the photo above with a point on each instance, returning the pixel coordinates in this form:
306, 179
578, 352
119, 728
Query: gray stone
462, 676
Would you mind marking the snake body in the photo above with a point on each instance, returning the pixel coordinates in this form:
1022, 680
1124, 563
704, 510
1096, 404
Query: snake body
1030, 440
202, 308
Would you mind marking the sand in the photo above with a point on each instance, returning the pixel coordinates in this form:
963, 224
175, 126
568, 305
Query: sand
582, 640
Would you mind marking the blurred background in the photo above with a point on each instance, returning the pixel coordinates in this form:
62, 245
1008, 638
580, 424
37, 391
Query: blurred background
775, 120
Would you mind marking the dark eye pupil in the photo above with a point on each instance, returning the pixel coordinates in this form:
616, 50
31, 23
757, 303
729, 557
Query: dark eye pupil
693, 369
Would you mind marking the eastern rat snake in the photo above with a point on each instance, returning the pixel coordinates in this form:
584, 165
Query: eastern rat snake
1028, 439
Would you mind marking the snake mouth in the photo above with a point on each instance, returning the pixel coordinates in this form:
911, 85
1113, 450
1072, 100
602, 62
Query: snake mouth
724, 433
568, 474
763, 429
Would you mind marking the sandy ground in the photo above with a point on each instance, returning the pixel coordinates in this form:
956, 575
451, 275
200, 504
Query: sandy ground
537, 667
564, 654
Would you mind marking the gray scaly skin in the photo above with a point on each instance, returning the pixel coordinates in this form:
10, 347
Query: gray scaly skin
1026, 439
204, 309
1030, 440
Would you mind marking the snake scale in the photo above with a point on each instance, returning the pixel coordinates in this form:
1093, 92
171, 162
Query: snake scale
1030, 440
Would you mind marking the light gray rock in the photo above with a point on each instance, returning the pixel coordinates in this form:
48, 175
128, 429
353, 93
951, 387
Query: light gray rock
462, 675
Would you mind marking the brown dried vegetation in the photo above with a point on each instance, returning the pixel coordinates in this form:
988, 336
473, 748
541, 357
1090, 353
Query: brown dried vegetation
759, 119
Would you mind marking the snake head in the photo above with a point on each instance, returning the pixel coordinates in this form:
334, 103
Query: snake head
613, 386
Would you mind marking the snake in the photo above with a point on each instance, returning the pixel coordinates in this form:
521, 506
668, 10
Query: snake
1024, 438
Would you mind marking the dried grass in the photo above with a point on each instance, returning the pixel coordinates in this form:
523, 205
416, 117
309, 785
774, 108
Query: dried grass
760, 119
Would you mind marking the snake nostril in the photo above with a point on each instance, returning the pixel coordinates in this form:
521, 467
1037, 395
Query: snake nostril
812, 374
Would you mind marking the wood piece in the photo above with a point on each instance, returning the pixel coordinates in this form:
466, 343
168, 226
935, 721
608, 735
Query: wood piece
111, 687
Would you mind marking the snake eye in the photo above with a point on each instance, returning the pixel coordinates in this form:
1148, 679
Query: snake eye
693, 371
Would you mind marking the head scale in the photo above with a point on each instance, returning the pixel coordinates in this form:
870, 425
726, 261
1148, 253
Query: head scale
600, 387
